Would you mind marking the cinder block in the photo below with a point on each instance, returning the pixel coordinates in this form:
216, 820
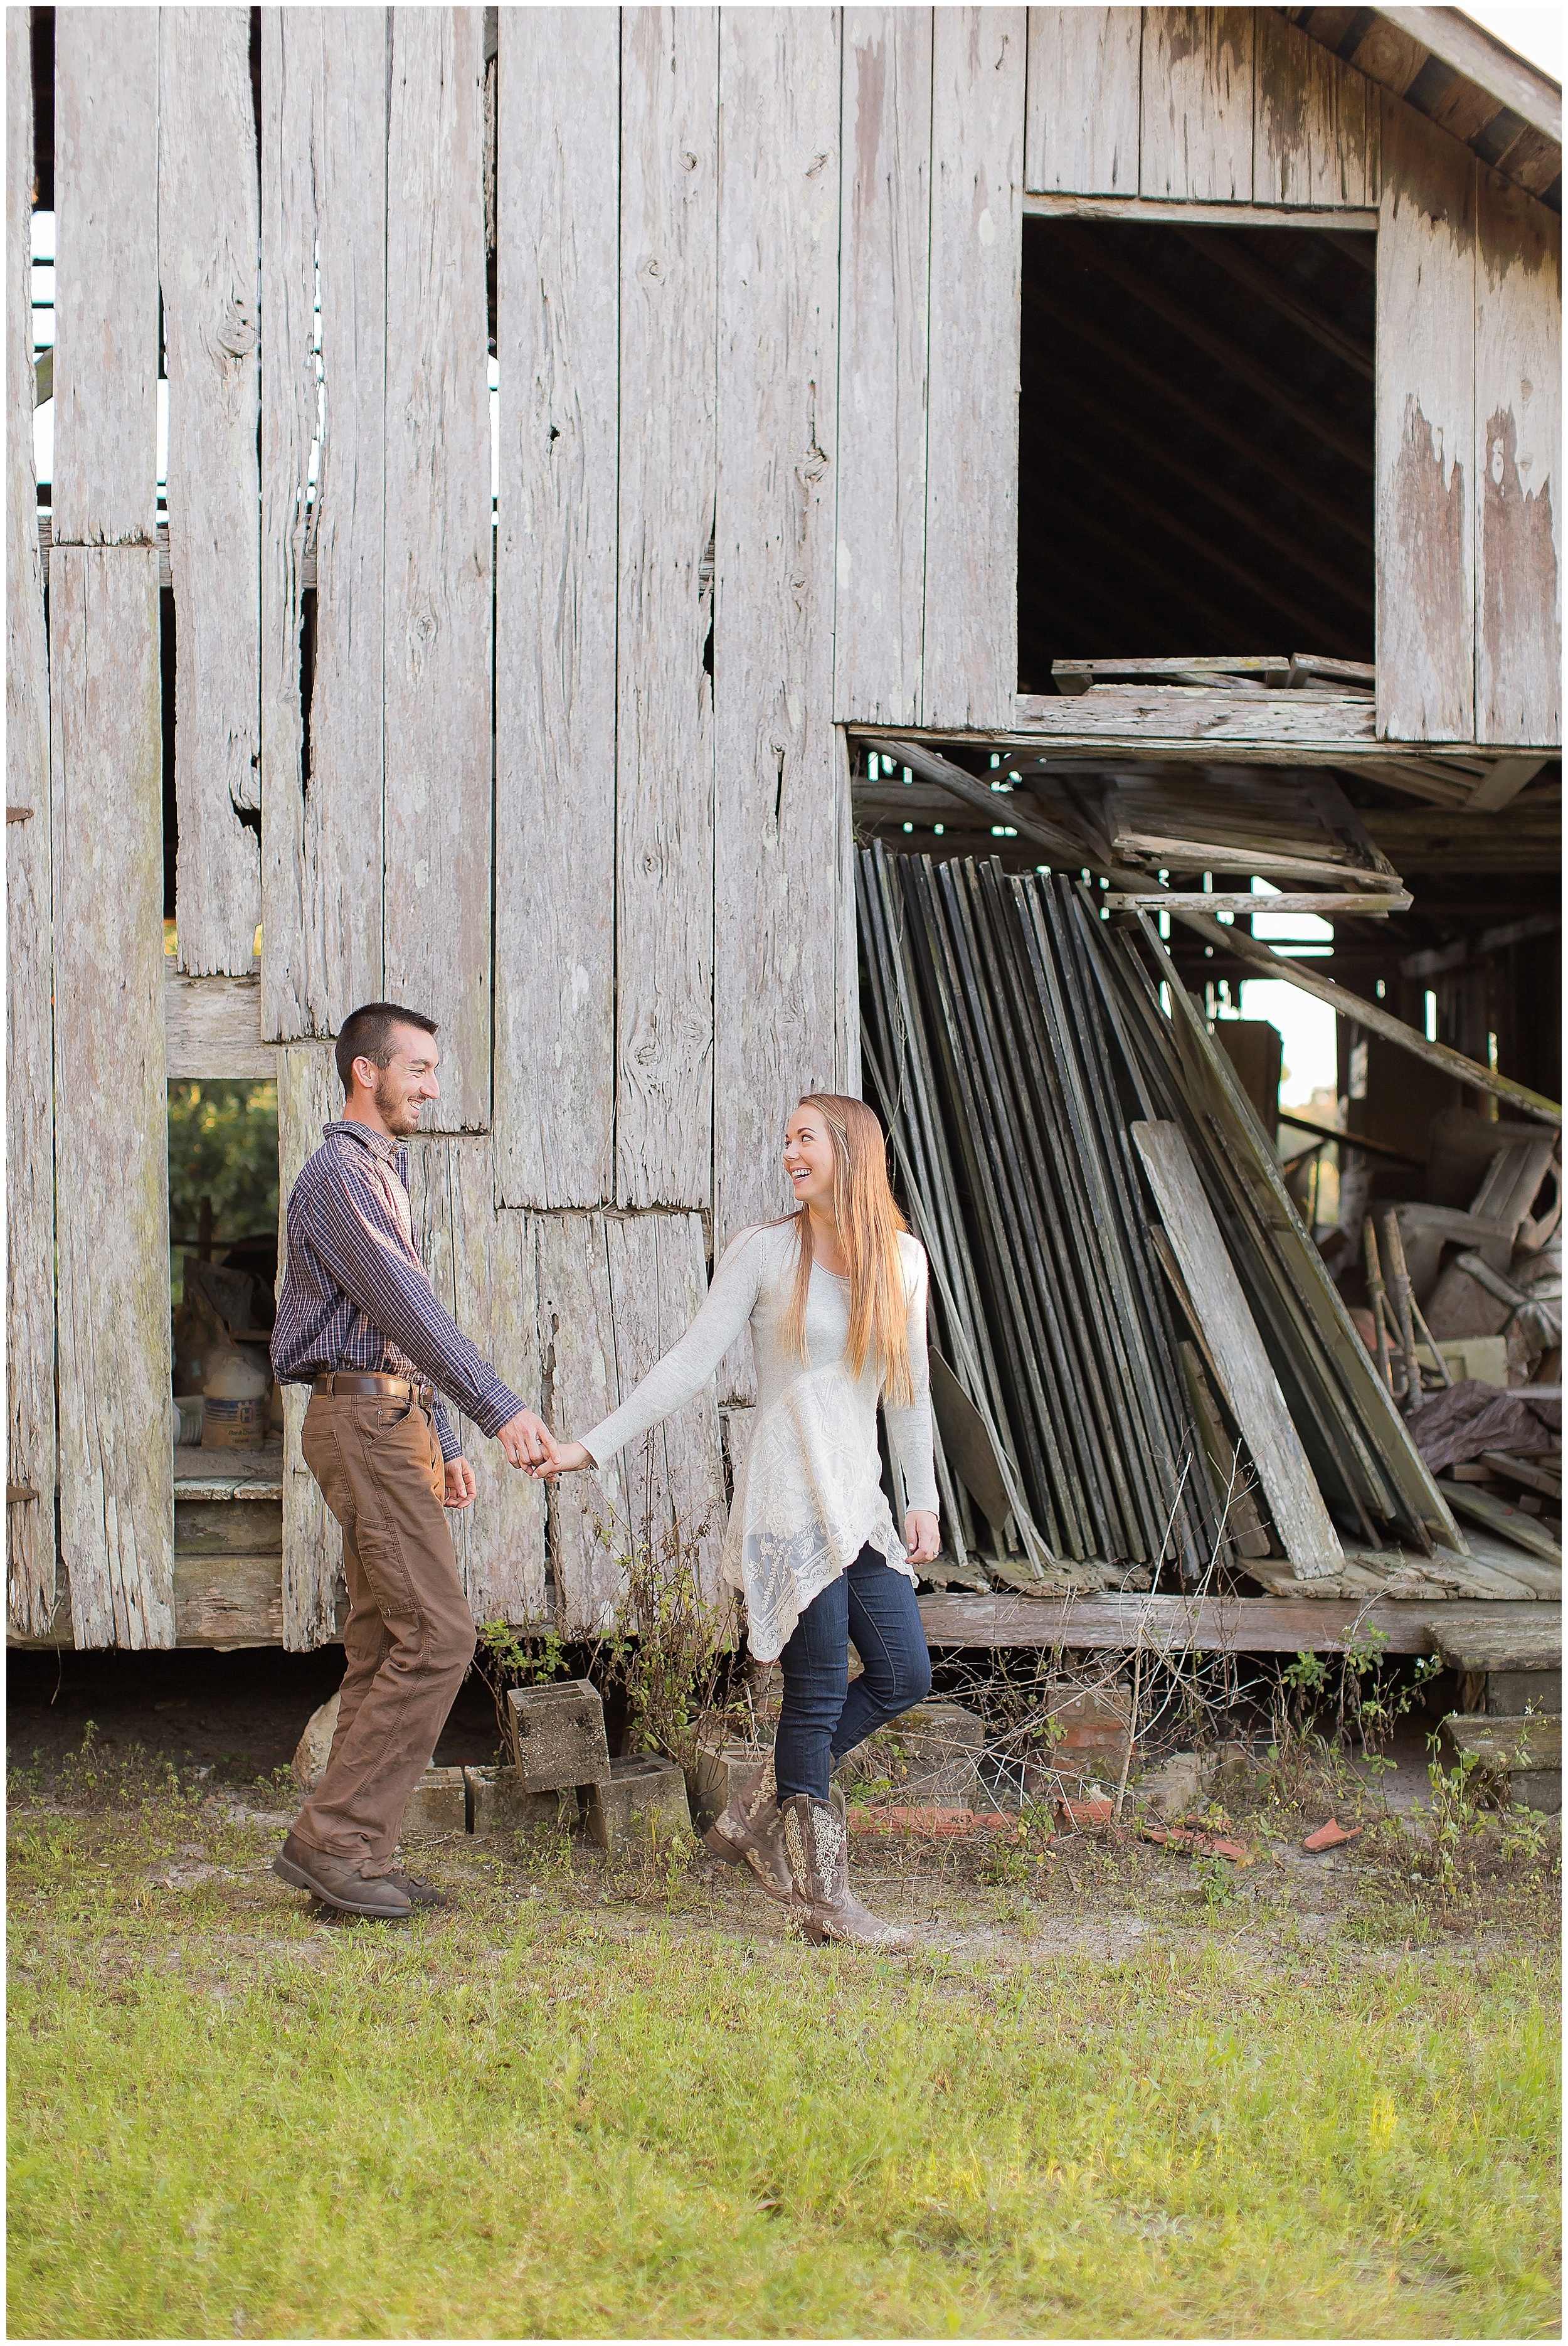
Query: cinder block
558, 1736
1510, 1693
1179, 1784
437, 1804
498, 1804
645, 1799
932, 1754
1537, 1787
718, 1771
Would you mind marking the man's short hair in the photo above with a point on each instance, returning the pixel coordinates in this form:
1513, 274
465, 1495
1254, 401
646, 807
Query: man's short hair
366, 1033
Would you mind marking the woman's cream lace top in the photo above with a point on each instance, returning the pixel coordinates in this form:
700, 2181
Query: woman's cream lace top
808, 1494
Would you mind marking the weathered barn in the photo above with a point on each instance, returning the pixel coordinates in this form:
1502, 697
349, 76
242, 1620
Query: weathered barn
850, 372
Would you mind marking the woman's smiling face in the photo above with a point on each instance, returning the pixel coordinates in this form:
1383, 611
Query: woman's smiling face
808, 1156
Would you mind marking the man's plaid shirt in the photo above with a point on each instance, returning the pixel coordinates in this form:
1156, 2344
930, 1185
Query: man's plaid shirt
355, 1293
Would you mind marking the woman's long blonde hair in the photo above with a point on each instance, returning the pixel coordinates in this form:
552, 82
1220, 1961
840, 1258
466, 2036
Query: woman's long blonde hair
869, 1225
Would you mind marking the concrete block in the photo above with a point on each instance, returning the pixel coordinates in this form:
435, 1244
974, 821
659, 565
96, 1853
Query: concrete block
1178, 1784
558, 1736
1537, 1787
644, 1801
498, 1804
1510, 1693
931, 1754
437, 1804
718, 1768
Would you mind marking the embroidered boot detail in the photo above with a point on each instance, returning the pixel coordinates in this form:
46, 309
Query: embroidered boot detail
822, 1906
749, 1832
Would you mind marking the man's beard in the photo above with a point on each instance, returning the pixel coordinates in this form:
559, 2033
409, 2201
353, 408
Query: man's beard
392, 1105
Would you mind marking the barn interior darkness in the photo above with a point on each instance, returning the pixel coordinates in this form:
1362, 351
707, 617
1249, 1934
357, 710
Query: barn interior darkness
1195, 442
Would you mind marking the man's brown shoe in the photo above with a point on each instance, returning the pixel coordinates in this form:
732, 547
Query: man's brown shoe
417, 1892
340, 1885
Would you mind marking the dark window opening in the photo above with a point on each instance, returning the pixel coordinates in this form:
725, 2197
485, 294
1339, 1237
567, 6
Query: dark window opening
223, 1184
1196, 443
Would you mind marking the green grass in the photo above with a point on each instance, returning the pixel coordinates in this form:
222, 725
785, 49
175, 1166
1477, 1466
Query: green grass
539, 2116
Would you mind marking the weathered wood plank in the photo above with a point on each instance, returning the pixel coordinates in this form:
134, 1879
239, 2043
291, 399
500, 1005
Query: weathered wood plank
111, 1149
971, 631
664, 750
1251, 1388
1518, 466
884, 277
1196, 96
32, 1581
106, 274
1425, 432
1310, 141
483, 1266
436, 920
207, 230
1084, 101
579, 1385
323, 205
1319, 722
212, 1027
308, 1096
847, 947
559, 325
233, 1600
672, 1481
1214, 1624
776, 858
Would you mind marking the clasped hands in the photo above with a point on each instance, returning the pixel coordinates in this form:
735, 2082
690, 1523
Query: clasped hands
527, 1442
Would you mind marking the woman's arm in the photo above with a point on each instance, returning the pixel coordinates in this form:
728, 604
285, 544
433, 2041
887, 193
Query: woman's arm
908, 1422
688, 1365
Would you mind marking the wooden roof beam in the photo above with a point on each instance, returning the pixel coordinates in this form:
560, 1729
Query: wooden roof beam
1355, 447
1270, 532
1219, 427
1226, 251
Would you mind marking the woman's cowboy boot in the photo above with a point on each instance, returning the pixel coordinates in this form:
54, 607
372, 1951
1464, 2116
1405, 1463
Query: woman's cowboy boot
749, 1832
822, 1906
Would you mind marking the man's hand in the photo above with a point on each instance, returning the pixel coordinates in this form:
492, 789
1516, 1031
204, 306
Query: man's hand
526, 1440
460, 1485
567, 1458
923, 1535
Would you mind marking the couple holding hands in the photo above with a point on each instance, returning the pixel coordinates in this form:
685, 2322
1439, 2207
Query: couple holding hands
835, 1296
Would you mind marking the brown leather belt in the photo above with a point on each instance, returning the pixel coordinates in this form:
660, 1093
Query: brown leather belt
341, 1381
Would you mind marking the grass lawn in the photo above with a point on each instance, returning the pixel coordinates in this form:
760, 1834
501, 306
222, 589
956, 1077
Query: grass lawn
589, 2103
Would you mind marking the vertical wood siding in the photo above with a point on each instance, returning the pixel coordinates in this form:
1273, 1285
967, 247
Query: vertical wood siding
580, 1385
323, 196
664, 746
884, 283
117, 1454
971, 635
483, 1266
1426, 432
208, 235
672, 1481
558, 312
437, 679
1315, 134
1197, 98
308, 1095
106, 301
1518, 468
1081, 136
32, 1580
776, 881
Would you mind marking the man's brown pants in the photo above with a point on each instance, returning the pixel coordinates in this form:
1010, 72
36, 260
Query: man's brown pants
410, 1633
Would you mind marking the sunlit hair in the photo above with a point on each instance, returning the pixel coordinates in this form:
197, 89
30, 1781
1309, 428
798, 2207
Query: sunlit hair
869, 1225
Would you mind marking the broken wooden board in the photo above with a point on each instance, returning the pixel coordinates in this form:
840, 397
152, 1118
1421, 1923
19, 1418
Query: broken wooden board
213, 1029
1300, 1518
207, 238
1404, 1578
1497, 1515
32, 1587
111, 1169
1513, 1641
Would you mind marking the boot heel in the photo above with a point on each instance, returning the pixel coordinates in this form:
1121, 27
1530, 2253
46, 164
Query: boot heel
715, 1840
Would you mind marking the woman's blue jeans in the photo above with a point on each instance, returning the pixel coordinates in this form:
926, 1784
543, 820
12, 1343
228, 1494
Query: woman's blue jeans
823, 1716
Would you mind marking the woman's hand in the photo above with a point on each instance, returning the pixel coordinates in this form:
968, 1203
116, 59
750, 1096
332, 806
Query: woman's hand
570, 1458
923, 1535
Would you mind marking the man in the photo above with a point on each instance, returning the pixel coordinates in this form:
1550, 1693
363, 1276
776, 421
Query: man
358, 1323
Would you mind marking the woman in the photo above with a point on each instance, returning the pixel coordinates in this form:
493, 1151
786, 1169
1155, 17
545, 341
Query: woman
836, 1298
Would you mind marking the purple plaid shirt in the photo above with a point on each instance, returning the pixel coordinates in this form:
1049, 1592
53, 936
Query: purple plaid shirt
356, 1295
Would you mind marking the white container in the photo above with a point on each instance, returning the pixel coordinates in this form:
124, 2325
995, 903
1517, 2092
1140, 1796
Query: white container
189, 1409
234, 1403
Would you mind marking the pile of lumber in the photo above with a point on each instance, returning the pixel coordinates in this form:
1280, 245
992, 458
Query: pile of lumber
1121, 1285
